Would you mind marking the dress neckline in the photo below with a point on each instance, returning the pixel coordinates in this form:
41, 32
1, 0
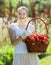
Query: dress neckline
16, 24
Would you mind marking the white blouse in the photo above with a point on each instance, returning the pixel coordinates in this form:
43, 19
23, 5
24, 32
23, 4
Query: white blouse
21, 47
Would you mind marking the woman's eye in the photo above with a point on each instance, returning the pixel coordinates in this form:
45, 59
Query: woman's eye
19, 13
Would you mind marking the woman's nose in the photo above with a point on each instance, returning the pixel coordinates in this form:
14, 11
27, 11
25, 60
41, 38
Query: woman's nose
22, 16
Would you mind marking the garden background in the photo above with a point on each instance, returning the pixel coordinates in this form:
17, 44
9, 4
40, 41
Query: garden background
8, 11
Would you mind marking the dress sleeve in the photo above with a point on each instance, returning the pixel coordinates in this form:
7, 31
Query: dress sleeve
12, 26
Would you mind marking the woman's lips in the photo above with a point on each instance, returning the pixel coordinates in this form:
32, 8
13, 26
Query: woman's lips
22, 18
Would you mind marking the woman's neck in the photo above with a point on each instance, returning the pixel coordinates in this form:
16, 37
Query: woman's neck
22, 21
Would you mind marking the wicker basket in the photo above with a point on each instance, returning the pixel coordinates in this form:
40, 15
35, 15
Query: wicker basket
38, 48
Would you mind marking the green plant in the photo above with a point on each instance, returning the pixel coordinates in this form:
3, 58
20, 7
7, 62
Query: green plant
6, 55
1, 63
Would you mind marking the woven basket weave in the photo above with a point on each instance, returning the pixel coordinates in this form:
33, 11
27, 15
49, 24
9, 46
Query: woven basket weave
38, 48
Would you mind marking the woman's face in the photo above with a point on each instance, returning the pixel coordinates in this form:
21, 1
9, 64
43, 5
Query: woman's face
22, 14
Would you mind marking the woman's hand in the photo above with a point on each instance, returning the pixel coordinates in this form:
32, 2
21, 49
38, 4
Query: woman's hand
16, 41
25, 34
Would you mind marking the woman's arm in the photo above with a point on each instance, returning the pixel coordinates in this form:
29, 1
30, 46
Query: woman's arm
12, 34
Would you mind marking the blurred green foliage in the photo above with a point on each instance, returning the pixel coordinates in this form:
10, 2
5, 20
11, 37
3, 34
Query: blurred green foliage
6, 55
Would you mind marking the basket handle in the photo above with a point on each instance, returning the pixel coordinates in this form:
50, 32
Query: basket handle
39, 21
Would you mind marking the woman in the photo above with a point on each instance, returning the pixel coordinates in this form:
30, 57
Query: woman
17, 30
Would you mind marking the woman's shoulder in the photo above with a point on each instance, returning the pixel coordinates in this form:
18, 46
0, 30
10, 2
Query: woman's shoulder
12, 25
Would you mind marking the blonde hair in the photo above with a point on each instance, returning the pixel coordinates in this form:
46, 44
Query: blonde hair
23, 7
